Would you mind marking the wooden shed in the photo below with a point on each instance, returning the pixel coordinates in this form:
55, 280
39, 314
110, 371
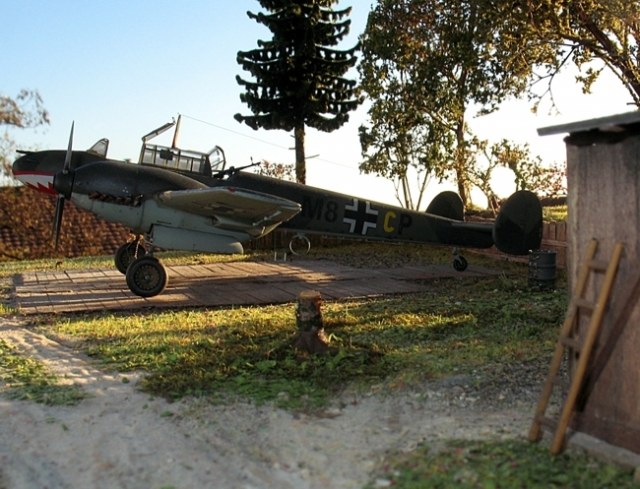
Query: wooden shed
603, 179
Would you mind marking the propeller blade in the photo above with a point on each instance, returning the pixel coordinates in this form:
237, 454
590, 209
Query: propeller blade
57, 221
66, 169
67, 158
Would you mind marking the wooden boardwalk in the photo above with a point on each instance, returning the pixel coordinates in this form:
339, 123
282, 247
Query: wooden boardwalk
221, 285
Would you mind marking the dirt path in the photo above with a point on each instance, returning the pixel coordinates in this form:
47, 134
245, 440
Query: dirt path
122, 438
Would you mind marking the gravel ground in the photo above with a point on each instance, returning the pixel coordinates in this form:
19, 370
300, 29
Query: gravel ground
121, 438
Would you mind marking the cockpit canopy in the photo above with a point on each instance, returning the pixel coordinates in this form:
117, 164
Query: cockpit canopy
180, 160
183, 160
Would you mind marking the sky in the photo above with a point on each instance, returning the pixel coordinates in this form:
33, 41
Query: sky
121, 68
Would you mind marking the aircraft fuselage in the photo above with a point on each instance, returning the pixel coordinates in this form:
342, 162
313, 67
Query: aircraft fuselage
332, 213
215, 210
128, 193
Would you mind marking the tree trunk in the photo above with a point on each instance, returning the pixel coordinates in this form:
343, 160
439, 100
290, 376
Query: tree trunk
311, 335
460, 164
301, 169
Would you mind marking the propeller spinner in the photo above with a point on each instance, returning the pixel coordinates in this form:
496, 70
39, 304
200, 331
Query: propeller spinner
63, 185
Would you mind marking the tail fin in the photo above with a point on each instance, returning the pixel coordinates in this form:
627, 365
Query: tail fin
447, 204
518, 227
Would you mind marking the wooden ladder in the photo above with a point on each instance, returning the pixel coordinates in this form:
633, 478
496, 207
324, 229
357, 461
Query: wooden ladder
568, 341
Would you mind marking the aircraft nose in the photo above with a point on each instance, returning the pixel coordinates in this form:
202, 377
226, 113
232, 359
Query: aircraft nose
29, 171
22, 165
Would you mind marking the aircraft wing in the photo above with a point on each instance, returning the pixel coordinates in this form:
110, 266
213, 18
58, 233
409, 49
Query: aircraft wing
231, 207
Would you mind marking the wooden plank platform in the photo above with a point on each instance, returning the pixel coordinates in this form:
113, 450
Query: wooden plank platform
220, 285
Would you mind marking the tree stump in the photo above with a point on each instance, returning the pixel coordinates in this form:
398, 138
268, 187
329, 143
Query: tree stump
311, 335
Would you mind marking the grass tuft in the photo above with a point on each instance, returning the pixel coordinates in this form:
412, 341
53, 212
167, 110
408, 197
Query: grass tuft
26, 379
494, 464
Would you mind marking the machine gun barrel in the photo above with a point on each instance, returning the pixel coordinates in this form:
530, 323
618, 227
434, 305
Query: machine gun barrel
233, 170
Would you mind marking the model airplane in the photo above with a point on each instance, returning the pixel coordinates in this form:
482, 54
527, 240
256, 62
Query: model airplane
187, 200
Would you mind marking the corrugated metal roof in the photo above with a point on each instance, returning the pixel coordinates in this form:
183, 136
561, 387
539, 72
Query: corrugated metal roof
612, 123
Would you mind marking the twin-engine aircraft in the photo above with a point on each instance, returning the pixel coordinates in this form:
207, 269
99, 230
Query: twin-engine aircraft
188, 200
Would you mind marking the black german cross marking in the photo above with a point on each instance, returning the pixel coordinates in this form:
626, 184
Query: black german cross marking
360, 217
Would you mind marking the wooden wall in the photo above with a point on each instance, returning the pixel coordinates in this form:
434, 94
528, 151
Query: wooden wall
604, 203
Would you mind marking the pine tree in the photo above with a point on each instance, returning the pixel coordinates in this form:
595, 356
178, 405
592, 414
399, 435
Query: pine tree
299, 74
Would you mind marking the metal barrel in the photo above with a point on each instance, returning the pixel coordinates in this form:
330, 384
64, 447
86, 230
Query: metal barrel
542, 269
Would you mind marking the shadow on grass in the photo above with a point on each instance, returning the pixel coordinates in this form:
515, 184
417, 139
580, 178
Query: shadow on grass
455, 326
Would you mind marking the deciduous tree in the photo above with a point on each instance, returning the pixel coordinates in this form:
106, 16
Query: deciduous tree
527, 170
584, 31
22, 111
276, 170
447, 60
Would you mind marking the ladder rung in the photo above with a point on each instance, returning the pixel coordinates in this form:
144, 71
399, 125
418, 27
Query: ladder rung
571, 343
581, 346
598, 265
585, 304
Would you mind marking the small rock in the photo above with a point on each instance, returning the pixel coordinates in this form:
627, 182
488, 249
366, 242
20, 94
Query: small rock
283, 396
382, 483
332, 412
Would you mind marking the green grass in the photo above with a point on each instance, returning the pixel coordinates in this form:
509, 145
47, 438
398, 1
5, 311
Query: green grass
10, 268
497, 464
456, 326
24, 378
557, 213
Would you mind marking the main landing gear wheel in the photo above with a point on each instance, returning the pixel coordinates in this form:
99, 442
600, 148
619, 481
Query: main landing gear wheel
127, 253
146, 276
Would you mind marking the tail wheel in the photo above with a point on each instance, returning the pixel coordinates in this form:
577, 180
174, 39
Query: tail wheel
127, 253
147, 277
460, 263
